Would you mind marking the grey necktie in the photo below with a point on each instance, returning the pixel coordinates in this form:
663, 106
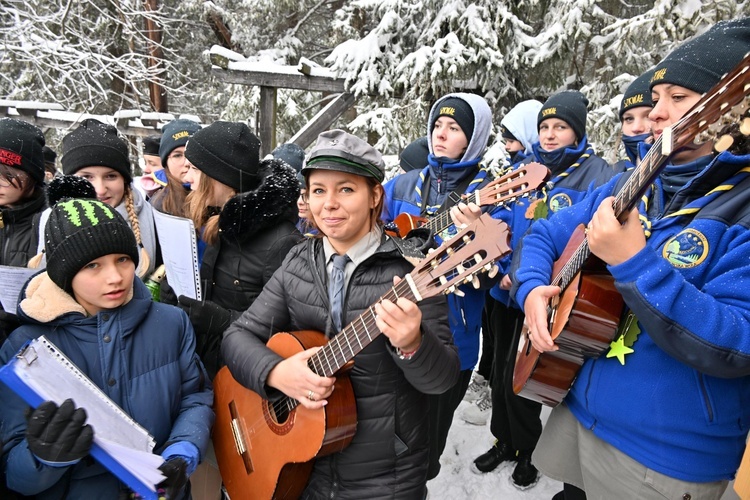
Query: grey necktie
336, 288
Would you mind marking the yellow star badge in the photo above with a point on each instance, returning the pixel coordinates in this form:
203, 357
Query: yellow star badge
619, 349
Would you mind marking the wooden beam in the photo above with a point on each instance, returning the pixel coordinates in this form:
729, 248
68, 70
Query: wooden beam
288, 80
323, 120
267, 120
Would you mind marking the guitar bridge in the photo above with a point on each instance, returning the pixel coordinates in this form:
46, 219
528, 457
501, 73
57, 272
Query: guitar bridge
239, 438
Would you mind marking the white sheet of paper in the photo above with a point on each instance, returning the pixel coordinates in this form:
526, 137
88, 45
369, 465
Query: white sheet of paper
13, 279
179, 250
143, 465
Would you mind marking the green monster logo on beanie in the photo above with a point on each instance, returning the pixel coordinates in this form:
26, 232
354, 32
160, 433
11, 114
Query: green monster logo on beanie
89, 211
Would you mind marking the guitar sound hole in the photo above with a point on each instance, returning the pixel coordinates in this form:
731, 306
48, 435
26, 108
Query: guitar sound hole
279, 411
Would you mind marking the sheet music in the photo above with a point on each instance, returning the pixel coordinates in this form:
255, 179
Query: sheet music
179, 250
13, 279
53, 377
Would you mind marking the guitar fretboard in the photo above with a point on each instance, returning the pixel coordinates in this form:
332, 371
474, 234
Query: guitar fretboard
355, 336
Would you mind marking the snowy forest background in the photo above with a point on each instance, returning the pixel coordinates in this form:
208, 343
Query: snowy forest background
101, 56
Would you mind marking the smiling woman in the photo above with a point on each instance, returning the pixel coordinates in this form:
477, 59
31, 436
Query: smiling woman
326, 282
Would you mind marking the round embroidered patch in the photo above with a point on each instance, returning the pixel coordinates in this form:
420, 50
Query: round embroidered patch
559, 201
686, 249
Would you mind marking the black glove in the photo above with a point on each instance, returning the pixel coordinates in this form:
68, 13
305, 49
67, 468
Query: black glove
207, 317
175, 470
58, 435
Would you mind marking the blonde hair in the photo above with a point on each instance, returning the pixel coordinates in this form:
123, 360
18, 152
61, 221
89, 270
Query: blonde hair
145, 258
198, 208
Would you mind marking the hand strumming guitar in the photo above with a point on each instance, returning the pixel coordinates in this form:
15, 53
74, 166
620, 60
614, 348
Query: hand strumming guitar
400, 322
612, 242
535, 309
295, 379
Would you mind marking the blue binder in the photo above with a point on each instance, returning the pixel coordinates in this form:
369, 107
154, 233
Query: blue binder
9, 375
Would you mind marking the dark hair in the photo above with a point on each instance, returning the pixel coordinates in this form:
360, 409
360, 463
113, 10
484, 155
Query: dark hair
19, 180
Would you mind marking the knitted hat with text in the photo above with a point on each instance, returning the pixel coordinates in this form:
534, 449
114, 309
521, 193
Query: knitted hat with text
175, 134
638, 94
21, 147
699, 63
459, 110
79, 231
570, 107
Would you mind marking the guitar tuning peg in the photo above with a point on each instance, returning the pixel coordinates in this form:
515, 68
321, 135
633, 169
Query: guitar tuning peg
430, 250
475, 283
458, 292
493, 272
724, 143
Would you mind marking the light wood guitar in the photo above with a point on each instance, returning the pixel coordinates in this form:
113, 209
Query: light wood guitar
584, 318
506, 188
266, 449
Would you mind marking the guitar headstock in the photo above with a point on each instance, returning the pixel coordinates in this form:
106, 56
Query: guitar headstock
458, 260
513, 184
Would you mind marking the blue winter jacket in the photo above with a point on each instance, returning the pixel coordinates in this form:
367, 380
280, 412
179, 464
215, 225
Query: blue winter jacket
142, 355
569, 190
465, 313
681, 402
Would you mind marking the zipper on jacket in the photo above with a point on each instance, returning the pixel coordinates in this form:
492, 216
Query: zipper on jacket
704, 391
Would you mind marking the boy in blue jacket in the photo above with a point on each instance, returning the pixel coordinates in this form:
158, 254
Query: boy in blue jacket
90, 304
666, 412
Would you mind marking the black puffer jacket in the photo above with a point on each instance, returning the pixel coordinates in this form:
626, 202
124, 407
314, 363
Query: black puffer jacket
18, 243
388, 455
257, 230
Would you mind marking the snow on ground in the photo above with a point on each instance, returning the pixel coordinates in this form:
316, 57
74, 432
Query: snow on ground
456, 480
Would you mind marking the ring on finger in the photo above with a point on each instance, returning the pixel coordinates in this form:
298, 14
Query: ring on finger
311, 395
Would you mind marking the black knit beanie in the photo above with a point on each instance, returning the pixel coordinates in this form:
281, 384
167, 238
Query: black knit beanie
175, 134
291, 153
638, 93
21, 147
69, 186
414, 156
459, 110
699, 63
151, 145
506, 134
227, 152
79, 231
95, 144
569, 106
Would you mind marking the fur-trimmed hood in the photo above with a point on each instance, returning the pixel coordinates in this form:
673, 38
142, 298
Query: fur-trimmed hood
275, 199
43, 301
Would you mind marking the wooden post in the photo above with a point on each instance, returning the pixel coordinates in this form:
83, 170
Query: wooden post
323, 120
267, 121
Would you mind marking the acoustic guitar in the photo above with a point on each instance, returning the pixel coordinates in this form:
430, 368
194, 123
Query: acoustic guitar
265, 449
584, 318
515, 184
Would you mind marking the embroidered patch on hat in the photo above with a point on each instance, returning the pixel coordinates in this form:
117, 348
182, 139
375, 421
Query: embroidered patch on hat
447, 110
559, 201
687, 249
10, 158
549, 111
659, 75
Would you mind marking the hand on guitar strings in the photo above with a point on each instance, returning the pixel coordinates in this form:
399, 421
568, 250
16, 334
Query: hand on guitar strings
612, 242
464, 214
294, 378
400, 322
535, 309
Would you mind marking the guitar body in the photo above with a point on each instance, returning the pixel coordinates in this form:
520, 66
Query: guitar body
404, 223
263, 453
583, 323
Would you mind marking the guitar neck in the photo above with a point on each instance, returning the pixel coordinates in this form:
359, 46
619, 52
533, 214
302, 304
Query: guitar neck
355, 336
443, 221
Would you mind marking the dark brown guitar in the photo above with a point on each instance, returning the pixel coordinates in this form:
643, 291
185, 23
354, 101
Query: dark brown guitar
266, 449
515, 184
583, 319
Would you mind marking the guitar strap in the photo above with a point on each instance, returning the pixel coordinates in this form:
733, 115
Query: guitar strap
452, 199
